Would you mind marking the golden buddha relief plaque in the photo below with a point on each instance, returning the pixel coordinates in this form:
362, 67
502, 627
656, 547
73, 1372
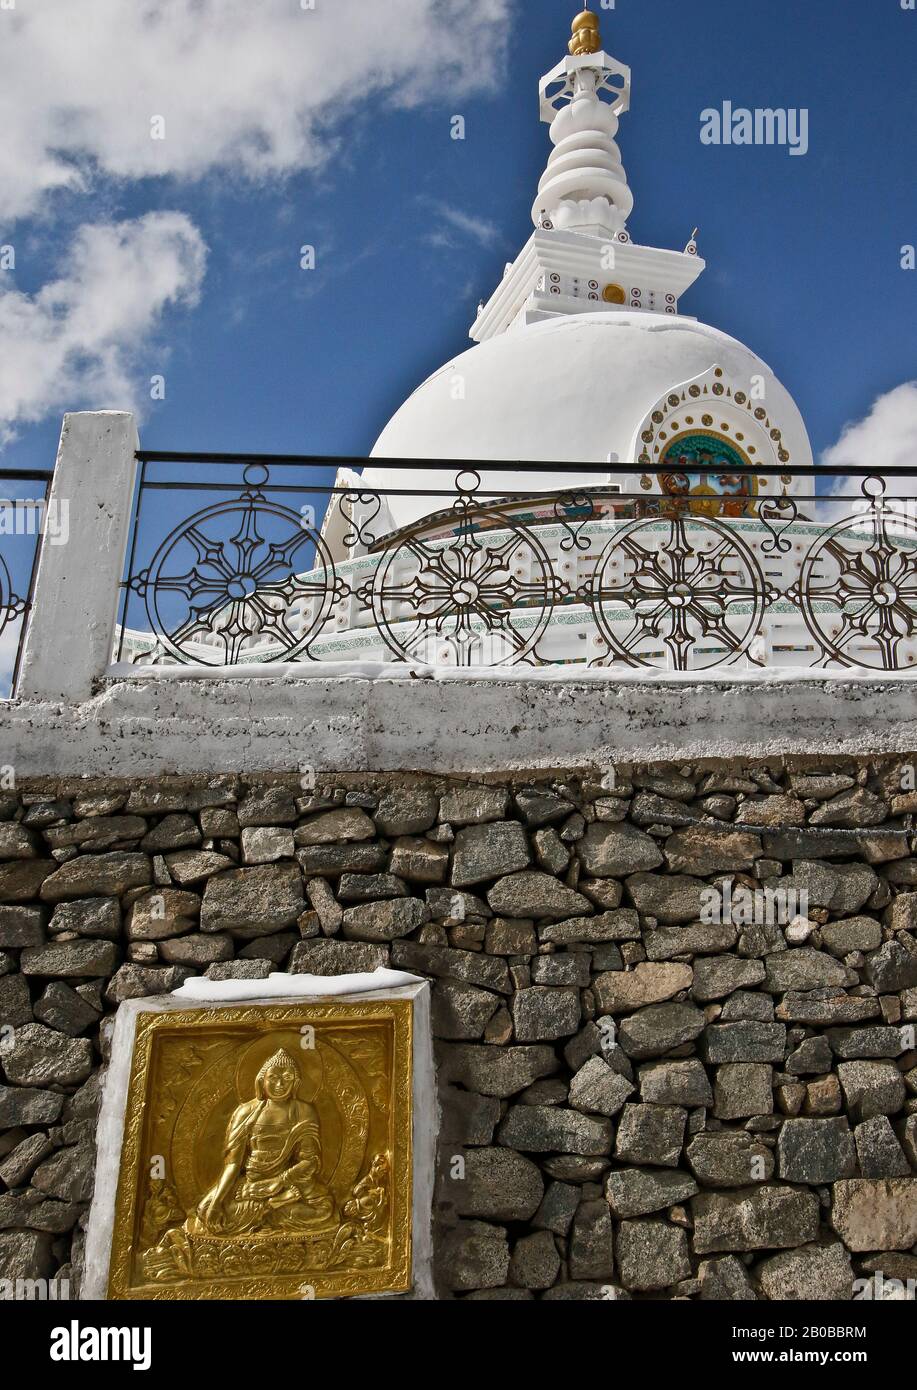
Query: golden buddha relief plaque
267, 1153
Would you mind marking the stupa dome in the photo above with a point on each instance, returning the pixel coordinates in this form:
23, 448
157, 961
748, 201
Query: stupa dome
583, 389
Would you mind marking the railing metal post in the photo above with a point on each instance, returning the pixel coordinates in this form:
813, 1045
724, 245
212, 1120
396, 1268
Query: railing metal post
71, 625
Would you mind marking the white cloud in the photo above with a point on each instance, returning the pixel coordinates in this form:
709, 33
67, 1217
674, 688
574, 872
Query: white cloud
252, 88
885, 438
477, 228
257, 87
75, 341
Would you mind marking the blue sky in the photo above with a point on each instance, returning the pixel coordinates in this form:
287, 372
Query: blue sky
412, 228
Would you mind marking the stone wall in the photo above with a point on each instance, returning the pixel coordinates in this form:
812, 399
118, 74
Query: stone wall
637, 1101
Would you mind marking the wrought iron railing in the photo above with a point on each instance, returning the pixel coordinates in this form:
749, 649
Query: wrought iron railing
23, 526
229, 564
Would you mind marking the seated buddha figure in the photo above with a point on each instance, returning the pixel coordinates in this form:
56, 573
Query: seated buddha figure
272, 1160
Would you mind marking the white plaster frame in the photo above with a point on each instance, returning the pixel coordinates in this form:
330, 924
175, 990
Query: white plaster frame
309, 988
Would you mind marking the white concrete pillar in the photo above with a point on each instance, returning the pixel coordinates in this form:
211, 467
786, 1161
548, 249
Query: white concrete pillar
70, 629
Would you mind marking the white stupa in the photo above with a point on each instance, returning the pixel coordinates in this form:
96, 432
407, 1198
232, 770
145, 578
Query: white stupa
583, 357
582, 346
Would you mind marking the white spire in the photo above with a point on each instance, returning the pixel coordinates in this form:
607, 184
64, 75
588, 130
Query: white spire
584, 186
580, 259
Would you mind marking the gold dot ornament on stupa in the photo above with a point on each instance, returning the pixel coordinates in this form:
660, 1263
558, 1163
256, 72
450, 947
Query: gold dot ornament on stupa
586, 36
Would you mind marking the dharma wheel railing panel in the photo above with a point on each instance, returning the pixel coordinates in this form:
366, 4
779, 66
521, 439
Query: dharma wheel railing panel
265, 560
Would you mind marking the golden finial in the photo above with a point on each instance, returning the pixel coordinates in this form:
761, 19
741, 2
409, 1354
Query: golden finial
586, 36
